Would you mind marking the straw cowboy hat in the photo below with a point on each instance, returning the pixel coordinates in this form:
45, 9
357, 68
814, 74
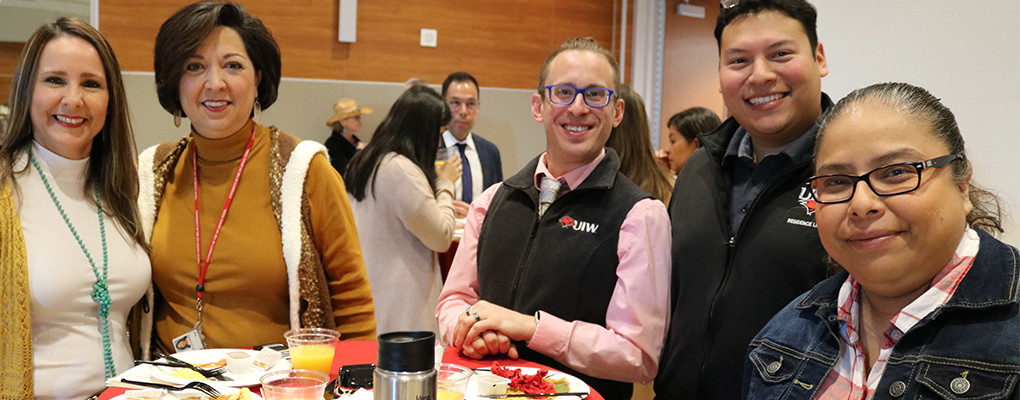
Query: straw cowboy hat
346, 108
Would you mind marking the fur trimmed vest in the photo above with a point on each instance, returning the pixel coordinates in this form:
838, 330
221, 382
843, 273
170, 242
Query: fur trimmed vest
290, 157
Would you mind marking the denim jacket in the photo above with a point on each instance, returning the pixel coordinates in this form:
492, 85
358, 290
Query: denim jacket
969, 348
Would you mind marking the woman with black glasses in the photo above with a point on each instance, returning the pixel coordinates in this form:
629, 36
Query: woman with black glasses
925, 304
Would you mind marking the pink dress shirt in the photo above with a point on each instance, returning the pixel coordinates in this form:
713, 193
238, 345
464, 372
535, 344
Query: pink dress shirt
627, 349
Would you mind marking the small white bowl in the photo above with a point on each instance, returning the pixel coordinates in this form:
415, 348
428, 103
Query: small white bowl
492, 384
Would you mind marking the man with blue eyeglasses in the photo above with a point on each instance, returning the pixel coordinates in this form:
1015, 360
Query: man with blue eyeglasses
567, 262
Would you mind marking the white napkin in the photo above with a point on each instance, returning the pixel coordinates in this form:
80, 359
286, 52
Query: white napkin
360, 394
138, 373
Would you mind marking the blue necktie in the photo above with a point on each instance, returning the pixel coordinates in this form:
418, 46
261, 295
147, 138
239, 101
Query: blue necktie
465, 178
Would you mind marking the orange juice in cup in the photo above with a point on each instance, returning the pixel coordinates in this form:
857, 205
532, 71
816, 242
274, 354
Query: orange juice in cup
312, 348
451, 381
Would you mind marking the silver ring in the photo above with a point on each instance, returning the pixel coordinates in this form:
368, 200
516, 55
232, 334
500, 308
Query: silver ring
468, 312
477, 318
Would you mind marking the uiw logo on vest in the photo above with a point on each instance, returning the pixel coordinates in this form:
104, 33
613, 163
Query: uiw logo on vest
578, 225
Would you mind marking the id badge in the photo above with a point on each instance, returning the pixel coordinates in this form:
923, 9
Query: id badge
192, 340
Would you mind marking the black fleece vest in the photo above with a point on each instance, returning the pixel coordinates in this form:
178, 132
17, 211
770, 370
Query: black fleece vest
563, 263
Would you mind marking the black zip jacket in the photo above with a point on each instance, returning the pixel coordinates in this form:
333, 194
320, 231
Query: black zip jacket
563, 262
727, 285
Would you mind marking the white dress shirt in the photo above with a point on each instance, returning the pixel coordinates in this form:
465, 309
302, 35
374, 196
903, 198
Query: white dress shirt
471, 153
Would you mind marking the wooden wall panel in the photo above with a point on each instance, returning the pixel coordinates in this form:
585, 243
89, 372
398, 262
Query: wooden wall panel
9, 54
690, 73
502, 43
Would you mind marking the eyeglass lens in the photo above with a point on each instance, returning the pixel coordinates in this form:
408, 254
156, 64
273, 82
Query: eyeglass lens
565, 95
889, 180
457, 104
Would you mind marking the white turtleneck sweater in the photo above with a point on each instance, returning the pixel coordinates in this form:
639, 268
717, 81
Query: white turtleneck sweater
67, 342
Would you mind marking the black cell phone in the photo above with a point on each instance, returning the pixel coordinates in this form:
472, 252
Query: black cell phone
356, 376
274, 346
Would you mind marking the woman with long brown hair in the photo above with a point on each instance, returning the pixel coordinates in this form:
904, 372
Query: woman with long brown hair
72, 257
633, 144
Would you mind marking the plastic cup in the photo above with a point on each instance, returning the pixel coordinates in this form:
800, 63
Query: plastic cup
443, 154
451, 381
294, 384
440, 349
238, 362
312, 348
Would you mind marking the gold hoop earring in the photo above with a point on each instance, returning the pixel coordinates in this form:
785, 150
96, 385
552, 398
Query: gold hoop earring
177, 118
258, 112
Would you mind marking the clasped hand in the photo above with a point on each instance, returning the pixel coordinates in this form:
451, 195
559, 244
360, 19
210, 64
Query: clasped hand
486, 329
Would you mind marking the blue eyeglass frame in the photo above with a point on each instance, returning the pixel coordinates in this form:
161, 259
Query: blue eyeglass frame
548, 90
937, 162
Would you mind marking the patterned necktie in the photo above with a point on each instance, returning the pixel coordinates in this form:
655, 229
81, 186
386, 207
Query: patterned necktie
550, 189
467, 190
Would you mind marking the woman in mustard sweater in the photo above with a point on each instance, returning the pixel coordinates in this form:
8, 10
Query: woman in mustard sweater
273, 245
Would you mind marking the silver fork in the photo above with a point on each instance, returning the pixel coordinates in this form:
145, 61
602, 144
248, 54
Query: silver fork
217, 373
199, 386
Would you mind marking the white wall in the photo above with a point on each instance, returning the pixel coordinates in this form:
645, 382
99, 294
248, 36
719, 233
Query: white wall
965, 52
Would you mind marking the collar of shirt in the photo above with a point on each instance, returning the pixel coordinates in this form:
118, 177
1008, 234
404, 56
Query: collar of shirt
942, 288
573, 177
449, 140
740, 146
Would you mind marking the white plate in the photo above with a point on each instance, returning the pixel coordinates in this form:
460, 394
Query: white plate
576, 385
192, 393
162, 373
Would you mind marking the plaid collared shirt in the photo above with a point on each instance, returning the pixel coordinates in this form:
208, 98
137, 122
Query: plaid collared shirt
846, 380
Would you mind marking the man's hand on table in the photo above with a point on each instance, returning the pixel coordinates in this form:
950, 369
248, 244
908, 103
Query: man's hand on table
490, 343
487, 329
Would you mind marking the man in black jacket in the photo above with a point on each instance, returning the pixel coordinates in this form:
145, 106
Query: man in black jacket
744, 236
566, 263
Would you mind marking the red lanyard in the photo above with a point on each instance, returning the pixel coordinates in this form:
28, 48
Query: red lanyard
203, 267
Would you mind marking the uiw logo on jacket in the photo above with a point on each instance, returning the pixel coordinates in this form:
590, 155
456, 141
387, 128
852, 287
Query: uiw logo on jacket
582, 226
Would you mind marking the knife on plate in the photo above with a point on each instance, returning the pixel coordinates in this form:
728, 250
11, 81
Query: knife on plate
503, 396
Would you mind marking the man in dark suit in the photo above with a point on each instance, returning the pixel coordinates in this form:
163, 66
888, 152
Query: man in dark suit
479, 157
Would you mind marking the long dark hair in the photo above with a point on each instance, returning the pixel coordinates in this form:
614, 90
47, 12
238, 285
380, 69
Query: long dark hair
633, 143
111, 166
411, 129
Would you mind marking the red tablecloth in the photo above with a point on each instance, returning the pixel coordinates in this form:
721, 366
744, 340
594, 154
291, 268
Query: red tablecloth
364, 352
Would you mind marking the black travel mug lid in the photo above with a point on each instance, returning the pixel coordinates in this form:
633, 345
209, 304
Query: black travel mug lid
407, 351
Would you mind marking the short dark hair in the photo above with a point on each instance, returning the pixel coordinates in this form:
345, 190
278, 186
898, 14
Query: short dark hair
460, 76
580, 44
694, 122
181, 34
800, 10
411, 129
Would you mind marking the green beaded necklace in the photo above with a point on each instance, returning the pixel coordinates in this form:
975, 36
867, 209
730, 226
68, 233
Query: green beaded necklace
100, 291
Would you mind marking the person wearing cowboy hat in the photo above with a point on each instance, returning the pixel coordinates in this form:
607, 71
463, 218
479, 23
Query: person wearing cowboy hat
346, 122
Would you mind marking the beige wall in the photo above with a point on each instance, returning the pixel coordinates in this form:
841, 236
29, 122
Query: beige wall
304, 106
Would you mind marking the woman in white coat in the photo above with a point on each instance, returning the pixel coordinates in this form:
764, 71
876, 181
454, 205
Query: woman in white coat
403, 207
